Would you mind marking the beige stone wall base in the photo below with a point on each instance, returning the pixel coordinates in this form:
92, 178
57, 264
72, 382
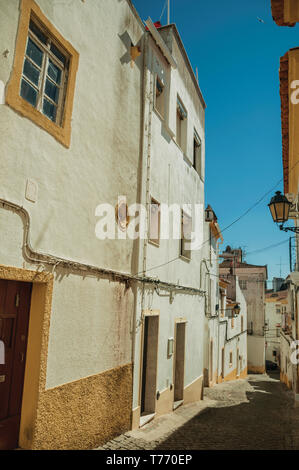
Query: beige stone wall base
231, 376
194, 391
165, 403
86, 413
243, 373
256, 369
135, 418
214, 380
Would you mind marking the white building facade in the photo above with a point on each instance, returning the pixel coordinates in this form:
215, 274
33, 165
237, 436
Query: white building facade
168, 361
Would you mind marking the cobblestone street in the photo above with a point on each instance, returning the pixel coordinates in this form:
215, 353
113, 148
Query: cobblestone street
256, 413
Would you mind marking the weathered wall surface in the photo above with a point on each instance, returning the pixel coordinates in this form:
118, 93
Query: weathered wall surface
173, 180
91, 318
256, 354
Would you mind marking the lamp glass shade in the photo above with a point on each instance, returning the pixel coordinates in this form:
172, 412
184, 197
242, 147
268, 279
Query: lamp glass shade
236, 309
279, 207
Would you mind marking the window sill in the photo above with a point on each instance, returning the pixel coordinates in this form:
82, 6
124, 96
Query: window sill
164, 123
162, 118
157, 245
183, 258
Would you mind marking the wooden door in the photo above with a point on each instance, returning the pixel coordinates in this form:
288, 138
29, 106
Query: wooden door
222, 363
179, 374
149, 365
14, 319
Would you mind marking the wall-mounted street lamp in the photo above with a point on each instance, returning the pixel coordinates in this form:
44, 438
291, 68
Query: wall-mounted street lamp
236, 310
280, 207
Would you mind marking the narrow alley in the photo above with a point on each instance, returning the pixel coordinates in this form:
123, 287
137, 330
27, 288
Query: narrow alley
254, 413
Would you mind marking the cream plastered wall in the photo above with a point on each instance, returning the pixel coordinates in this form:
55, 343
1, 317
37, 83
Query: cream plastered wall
172, 180
102, 163
272, 318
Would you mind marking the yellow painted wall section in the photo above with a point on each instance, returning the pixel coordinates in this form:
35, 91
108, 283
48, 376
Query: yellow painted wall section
293, 123
86, 413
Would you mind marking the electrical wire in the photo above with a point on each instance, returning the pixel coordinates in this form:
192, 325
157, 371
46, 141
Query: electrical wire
267, 247
163, 10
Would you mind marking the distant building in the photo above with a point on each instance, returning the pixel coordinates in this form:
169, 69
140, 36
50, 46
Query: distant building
275, 307
225, 338
252, 280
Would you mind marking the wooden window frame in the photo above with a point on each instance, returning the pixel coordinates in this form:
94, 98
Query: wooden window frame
151, 240
197, 144
61, 132
183, 240
180, 117
161, 112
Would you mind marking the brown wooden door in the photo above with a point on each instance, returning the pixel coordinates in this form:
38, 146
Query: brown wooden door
14, 319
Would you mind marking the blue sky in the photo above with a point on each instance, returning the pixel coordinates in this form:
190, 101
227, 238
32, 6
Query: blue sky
238, 61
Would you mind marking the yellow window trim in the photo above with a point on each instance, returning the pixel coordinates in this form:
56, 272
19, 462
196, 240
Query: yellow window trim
15, 101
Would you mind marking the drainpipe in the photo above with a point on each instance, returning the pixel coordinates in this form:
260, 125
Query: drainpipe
143, 92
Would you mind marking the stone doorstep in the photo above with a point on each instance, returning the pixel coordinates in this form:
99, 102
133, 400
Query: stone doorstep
170, 422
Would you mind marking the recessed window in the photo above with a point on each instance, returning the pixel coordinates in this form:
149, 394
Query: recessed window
186, 231
154, 232
197, 153
230, 359
160, 97
181, 125
43, 77
243, 284
44, 74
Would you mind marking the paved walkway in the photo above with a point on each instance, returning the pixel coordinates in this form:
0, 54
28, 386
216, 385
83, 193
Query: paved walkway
253, 413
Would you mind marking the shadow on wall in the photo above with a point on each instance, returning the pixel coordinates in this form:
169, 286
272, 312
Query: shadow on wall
263, 421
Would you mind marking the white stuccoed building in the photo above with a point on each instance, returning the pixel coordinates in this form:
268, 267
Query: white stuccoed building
168, 361
70, 141
100, 334
225, 333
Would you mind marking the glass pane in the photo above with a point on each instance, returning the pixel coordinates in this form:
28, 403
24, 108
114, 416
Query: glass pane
31, 72
37, 32
49, 110
52, 91
58, 54
54, 72
34, 52
28, 93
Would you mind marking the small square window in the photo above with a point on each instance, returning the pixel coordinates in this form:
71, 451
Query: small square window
42, 84
44, 75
